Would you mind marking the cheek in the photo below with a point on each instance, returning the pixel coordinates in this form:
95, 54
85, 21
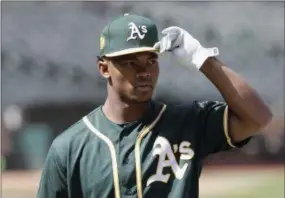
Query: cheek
155, 72
123, 81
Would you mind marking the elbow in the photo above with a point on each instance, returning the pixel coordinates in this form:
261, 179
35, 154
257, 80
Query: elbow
265, 118
260, 121
269, 116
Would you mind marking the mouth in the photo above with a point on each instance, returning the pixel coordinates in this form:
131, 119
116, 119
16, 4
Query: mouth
144, 88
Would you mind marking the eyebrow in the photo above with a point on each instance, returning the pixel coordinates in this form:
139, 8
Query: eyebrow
129, 57
134, 57
154, 55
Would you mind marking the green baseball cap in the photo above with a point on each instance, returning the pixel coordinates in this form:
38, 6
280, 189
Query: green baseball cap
128, 34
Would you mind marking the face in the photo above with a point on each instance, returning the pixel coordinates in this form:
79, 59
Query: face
133, 77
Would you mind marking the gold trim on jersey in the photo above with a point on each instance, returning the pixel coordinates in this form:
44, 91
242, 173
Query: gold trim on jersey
113, 154
226, 126
141, 135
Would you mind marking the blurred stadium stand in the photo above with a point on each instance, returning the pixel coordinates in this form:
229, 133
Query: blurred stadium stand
50, 80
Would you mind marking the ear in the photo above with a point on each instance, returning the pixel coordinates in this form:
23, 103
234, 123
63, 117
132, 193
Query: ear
103, 68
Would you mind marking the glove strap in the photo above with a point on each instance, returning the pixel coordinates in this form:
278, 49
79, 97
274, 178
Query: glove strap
202, 54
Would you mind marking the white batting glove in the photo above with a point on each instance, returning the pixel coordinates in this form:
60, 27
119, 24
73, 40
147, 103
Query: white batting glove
185, 48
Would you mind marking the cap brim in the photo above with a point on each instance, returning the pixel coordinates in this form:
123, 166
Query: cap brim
132, 51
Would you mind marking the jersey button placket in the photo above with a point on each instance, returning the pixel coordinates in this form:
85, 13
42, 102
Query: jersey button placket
130, 191
127, 166
127, 161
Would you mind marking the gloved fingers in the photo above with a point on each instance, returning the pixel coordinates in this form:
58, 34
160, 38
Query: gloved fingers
172, 29
170, 39
165, 44
156, 45
168, 42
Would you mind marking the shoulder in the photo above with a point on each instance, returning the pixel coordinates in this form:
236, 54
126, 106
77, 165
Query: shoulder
176, 113
72, 133
194, 108
186, 108
71, 139
207, 106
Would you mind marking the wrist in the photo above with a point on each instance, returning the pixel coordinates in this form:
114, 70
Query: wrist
202, 54
211, 65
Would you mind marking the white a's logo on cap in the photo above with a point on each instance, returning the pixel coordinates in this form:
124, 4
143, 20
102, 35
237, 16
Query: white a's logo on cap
137, 31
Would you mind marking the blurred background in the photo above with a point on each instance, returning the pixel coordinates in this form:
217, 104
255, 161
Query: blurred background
49, 80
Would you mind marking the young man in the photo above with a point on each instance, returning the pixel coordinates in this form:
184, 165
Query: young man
132, 146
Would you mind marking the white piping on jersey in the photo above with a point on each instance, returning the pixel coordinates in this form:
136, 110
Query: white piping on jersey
113, 154
226, 126
141, 135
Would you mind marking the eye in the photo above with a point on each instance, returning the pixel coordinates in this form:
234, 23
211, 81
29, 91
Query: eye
128, 63
152, 61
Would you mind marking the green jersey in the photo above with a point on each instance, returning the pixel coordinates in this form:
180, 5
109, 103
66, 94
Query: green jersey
159, 155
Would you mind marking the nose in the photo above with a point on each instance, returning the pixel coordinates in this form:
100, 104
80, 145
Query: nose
143, 72
143, 75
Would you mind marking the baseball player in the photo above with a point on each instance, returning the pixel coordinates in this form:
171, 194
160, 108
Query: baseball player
134, 147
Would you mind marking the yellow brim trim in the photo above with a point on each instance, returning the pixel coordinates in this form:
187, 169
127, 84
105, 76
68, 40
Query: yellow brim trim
132, 51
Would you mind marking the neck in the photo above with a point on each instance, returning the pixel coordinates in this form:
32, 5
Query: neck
121, 112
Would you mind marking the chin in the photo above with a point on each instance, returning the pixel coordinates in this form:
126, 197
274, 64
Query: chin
137, 97
141, 99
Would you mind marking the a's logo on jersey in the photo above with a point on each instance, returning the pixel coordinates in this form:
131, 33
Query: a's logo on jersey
137, 31
163, 149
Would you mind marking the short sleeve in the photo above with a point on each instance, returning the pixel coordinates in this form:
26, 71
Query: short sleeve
53, 179
213, 120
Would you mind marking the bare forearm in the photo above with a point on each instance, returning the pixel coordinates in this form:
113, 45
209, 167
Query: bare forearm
242, 99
